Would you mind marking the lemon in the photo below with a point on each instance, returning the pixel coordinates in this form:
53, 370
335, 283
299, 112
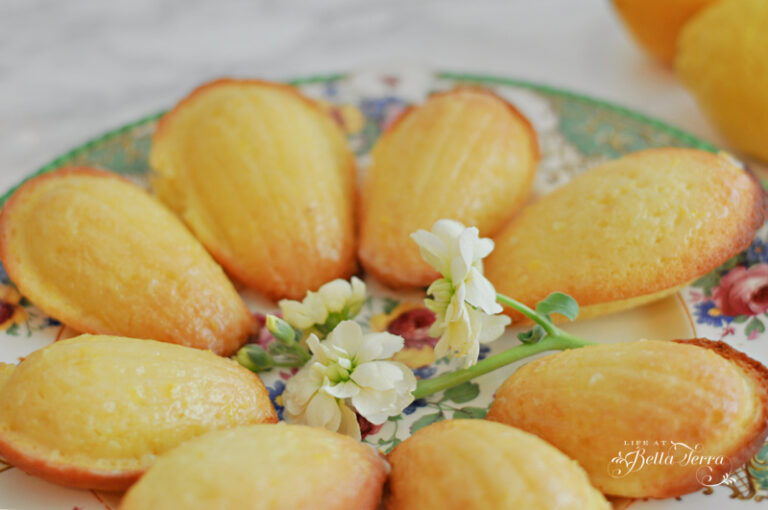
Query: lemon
722, 58
655, 24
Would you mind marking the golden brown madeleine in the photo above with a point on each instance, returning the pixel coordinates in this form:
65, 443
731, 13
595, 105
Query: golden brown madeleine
642, 417
102, 256
466, 155
629, 230
655, 24
263, 467
476, 464
6, 370
264, 179
95, 411
722, 59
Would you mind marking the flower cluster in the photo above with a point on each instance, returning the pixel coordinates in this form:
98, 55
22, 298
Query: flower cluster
463, 299
348, 370
346, 373
320, 312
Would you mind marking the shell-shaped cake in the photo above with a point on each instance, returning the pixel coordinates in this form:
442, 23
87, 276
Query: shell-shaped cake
101, 255
466, 155
263, 467
95, 411
629, 231
722, 59
656, 24
645, 419
264, 178
6, 369
476, 464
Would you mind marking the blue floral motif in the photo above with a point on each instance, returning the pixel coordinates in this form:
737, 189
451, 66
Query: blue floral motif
420, 402
275, 392
425, 372
331, 89
484, 351
376, 109
50, 322
708, 313
757, 252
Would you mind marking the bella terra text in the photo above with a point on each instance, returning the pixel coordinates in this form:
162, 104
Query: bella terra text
642, 454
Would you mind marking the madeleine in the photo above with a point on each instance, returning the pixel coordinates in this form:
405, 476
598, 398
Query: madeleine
656, 24
629, 231
95, 411
476, 464
263, 467
699, 408
722, 59
102, 256
264, 178
465, 155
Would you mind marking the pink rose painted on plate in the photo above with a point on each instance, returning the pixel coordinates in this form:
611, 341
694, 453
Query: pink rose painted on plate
743, 291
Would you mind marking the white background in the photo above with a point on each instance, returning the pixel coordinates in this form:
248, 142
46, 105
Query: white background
70, 70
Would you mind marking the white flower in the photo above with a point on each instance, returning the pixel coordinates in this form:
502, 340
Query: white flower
463, 299
462, 332
349, 368
321, 311
457, 252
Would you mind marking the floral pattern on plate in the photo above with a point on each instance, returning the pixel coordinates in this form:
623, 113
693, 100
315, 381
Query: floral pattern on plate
575, 133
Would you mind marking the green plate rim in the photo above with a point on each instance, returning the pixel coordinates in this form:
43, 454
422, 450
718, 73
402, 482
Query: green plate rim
694, 141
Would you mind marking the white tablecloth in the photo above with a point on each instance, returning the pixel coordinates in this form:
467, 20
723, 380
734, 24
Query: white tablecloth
71, 70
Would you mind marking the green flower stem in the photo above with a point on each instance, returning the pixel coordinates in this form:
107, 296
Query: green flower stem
289, 364
303, 353
532, 314
542, 320
427, 387
555, 340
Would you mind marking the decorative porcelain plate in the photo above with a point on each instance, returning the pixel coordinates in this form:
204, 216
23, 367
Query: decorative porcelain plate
575, 133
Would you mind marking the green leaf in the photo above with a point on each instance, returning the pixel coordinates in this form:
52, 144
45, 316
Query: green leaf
733, 262
390, 304
13, 330
462, 393
708, 281
740, 318
557, 302
531, 336
477, 413
425, 420
394, 443
754, 325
